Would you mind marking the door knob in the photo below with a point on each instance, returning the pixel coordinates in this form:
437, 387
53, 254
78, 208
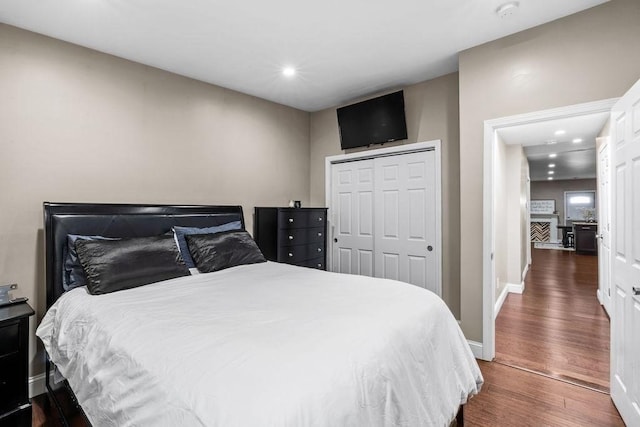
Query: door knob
636, 291
429, 248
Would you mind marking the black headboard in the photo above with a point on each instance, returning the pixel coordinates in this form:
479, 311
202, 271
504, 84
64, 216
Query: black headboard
117, 220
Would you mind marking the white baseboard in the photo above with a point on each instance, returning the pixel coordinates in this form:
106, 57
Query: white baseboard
476, 348
525, 271
515, 289
500, 301
37, 385
508, 288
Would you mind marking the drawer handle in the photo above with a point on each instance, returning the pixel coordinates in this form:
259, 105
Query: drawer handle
319, 249
319, 218
319, 265
319, 234
290, 254
290, 219
290, 237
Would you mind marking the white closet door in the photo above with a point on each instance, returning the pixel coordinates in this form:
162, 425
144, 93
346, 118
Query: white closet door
352, 217
405, 227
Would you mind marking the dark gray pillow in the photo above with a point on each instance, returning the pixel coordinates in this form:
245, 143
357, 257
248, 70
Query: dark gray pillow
114, 265
213, 252
180, 232
72, 273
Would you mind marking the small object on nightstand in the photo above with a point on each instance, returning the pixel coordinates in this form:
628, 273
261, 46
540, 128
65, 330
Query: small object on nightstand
15, 408
5, 296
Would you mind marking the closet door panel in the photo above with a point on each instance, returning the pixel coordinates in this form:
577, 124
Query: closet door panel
352, 217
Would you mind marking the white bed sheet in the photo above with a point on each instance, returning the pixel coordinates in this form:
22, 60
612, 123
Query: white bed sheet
262, 345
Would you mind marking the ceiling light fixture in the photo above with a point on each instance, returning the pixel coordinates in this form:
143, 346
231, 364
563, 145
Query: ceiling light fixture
577, 140
288, 71
552, 165
507, 10
550, 178
560, 132
551, 172
552, 155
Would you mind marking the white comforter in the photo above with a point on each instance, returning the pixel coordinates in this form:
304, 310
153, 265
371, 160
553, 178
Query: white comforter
262, 345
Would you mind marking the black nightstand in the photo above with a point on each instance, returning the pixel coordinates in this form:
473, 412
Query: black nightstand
15, 409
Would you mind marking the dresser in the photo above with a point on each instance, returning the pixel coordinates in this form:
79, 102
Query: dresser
15, 409
292, 235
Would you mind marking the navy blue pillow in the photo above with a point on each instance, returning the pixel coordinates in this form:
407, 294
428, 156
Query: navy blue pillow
180, 232
73, 274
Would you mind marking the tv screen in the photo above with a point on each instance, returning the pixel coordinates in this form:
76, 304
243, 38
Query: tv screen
374, 121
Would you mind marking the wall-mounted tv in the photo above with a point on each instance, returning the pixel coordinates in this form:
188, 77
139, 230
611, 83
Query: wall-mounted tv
374, 121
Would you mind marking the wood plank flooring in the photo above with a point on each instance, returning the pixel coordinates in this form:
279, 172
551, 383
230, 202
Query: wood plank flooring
512, 397
557, 327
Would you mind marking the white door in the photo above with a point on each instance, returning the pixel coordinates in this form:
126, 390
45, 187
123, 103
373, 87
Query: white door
352, 217
405, 228
604, 224
625, 247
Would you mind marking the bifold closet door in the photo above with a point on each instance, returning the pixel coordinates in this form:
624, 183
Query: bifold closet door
352, 202
405, 219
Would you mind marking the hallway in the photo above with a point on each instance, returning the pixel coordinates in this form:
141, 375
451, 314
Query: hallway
557, 327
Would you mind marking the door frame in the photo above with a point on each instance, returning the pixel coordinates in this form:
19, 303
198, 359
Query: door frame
488, 228
416, 147
604, 298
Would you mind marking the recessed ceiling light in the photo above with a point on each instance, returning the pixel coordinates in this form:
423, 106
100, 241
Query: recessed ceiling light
552, 165
507, 10
550, 178
289, 71
551, 172
552, 155
560, 132
577, 140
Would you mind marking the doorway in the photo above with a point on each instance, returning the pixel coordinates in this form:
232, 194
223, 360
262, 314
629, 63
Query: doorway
491, 191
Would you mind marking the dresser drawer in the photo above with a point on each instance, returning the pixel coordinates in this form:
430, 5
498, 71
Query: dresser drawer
9, 338
301, 219
300, 236
12, 383
300, 252
317, 263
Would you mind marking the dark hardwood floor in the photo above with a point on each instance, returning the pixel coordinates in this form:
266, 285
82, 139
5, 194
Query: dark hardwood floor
513, 397
557, 326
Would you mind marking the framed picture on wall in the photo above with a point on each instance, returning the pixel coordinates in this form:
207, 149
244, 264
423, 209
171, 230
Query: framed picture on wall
543, 207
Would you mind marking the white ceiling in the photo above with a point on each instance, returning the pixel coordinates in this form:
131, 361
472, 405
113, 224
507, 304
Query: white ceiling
573, 160
343, 49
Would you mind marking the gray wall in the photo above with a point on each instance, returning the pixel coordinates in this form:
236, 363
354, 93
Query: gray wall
554, 190
80, 126
584, 57
432, 113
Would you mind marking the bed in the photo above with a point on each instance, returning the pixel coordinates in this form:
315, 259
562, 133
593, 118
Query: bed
256, 344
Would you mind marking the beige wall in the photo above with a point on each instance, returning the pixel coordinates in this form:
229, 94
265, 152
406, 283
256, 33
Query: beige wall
501, 211
516, 221
431, 109
584, 57
80, 126
554, 190
525, 202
